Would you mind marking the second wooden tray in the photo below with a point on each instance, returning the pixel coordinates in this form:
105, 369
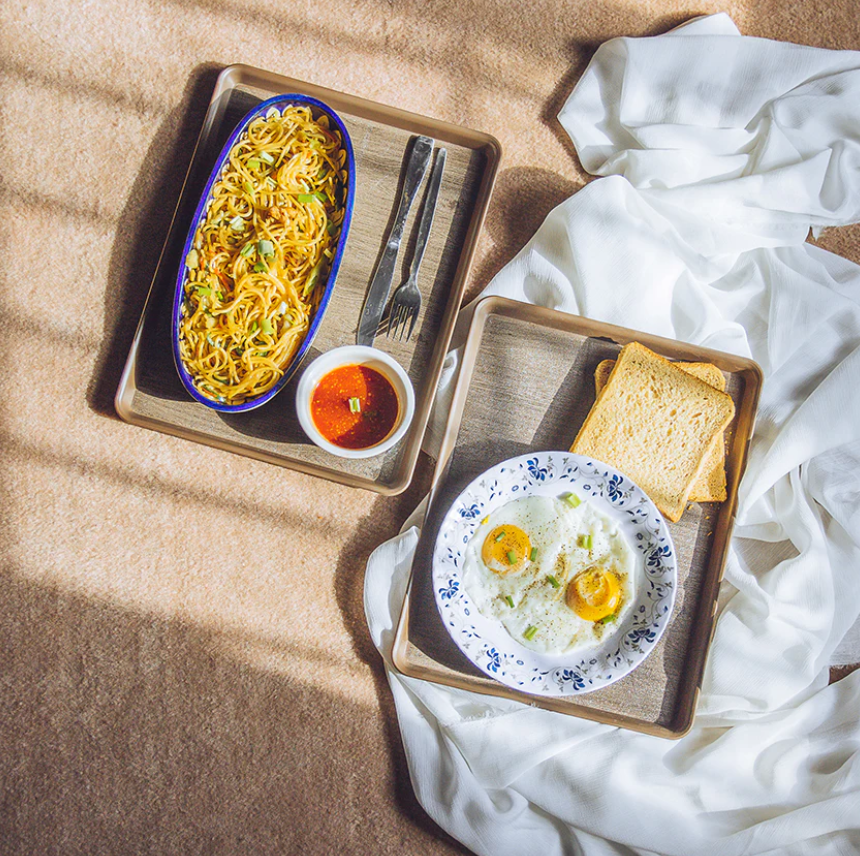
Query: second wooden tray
526, 383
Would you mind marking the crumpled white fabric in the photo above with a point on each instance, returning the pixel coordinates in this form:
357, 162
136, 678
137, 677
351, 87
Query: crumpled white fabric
718, 153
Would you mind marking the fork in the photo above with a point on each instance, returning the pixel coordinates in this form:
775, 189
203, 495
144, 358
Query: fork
406, 303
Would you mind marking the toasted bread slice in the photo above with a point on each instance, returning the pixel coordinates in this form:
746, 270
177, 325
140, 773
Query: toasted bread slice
711, 484
656, 423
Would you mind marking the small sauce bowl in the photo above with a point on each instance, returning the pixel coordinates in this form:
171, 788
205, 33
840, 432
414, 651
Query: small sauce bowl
363, 356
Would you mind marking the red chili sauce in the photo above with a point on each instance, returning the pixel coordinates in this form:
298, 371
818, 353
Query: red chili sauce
341, 425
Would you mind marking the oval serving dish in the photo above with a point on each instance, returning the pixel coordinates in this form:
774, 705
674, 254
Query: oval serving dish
278, 104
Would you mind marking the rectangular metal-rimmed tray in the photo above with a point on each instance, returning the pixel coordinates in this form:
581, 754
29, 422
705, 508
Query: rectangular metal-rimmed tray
526, 383
150, 393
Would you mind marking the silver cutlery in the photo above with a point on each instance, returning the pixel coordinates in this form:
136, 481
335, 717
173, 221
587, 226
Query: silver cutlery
407, 299
377, 293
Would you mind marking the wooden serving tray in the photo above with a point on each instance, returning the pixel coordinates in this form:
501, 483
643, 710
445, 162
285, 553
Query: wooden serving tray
526, 383
150, 393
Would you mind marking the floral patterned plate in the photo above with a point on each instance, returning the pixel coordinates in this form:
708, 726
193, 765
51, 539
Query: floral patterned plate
486, 642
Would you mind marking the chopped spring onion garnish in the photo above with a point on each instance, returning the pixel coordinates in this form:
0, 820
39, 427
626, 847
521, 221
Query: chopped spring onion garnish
260, 267
572, 499
509, 601
201, 289
512, 557
265, 156
306, 197
499, 536
247, 249
584, 541
253, 327
266, 326
254, 163
530, 632
355, 405
312, 278
608, 619
533, 554
237, 224
249, 188
266, 248
283, 307
553, 581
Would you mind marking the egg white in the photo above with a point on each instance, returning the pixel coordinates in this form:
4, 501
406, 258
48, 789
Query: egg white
554, 529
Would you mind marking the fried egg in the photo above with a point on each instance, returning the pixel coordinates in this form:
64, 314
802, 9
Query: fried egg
556, 573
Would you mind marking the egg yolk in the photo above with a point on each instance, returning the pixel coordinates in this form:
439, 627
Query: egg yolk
594, 593
506, 550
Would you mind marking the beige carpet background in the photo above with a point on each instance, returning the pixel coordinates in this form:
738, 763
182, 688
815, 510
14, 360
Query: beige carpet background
184, 662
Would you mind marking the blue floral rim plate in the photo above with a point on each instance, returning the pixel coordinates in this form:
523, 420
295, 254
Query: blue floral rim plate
278, 102
486, 642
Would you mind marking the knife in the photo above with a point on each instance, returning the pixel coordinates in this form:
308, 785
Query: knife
377, 293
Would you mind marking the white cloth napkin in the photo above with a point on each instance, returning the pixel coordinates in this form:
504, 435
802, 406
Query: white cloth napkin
719, 152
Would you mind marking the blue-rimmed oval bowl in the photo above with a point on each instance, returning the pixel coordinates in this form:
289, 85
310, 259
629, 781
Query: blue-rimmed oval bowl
279, 102
485, 641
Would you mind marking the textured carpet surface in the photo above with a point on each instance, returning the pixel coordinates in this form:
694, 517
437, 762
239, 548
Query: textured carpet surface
185, 665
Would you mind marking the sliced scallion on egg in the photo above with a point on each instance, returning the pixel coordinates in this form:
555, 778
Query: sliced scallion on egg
572, 500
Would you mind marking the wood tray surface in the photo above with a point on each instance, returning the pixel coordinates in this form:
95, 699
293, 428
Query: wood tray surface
526, 383
150, 393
